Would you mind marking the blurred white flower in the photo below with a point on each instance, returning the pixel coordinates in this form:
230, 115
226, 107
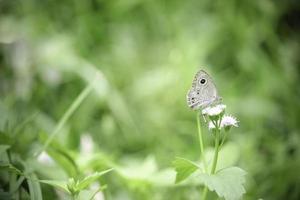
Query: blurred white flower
45, 158
86, 144
214, 110
229, 121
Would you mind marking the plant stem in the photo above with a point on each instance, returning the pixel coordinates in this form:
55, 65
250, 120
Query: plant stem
201, 143
223, 139
204, 192
217, 144
98, 190
84, 93
214, 164
73, 197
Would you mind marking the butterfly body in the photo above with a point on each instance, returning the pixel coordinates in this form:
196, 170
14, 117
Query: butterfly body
203, 91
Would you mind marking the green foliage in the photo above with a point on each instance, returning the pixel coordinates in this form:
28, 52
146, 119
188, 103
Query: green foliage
227, 183
9, 167
146, 173
184, 168
74, 187
3, 149
58, 184
34, 187
83, 184
146, 53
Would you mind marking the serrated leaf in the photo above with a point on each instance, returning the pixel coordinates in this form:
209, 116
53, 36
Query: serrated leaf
90, 179
227, 183
58, 184
184, 168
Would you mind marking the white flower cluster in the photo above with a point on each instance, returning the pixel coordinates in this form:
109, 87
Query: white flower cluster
229, 120
214, 111
217, 117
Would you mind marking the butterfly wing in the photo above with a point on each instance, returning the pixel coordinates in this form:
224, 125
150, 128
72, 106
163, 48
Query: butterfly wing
203, 91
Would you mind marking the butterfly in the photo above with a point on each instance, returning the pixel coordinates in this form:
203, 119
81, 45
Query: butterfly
203, 92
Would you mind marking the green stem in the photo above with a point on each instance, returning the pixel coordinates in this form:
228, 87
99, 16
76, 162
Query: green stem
73, 197
84, 93
201, 143
98, 190
204, 193
223, 139
217, 144
17, 184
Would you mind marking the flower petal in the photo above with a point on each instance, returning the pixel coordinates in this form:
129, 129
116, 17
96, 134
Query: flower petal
228, 121
214, 110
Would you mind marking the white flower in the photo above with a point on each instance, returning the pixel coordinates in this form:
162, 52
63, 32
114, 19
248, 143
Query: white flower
45, 158
229, 121
214, 111
86, 144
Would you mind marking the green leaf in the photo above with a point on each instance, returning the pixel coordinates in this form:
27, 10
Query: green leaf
34, 187
5, 195
58, 184
33, 182
227, 183
90, 194
146, 172
184, 168
10, 167
90, 179
3, 148
3, 154
72, 187
62, 158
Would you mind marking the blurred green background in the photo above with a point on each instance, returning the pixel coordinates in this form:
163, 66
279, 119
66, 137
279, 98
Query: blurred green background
136, 118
